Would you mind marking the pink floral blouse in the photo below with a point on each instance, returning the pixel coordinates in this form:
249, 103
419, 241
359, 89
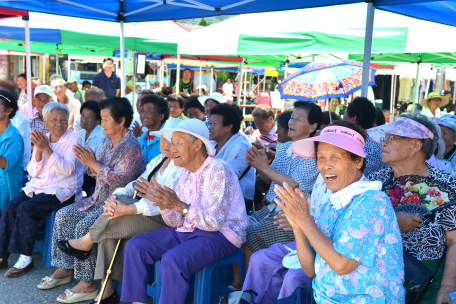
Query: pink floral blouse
120, 165
61, 174
216, 200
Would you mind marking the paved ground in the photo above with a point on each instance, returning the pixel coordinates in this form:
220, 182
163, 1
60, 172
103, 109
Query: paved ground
22, 290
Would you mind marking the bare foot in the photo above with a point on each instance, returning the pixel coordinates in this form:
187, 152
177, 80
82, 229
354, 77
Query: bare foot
84, 243
60, 273
81, 288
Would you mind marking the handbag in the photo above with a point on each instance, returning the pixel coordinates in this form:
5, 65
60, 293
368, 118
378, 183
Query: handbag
417, 278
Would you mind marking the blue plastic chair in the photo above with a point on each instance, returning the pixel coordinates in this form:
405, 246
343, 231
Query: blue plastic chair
208, 284
43, 241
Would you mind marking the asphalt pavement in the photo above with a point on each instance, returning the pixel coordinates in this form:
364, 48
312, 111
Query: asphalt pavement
23, 290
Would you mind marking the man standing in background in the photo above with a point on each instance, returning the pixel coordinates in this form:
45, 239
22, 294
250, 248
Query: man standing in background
107, 80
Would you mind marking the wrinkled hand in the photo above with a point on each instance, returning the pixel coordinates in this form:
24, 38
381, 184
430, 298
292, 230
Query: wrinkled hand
85, 156
282, 221
294, 204
40, 141
257, 144
114, 208
137, 129
256, 158
443, 296
162, 197
248, 130
407, 221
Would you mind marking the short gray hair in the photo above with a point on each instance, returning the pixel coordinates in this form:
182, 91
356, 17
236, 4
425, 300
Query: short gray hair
58, 80
51, 106
192, 140
428, 145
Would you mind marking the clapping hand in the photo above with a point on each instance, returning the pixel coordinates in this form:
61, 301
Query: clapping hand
40, 141
162, 197
137, 129
114, 208
256, 158
282, 221
85, 156
293, 203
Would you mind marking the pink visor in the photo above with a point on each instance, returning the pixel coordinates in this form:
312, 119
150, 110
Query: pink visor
341, 137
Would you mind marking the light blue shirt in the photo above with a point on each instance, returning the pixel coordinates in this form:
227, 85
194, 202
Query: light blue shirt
367, 232
95, 139
12, 149
152, 149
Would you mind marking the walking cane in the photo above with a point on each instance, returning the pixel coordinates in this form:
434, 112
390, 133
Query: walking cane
108, 273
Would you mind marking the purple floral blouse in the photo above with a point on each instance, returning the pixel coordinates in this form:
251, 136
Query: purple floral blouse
119, 165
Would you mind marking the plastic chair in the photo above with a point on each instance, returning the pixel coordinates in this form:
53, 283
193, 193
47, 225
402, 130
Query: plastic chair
154, 289
43, 241
208, 284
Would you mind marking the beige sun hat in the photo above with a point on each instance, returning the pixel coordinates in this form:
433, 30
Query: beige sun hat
445, 100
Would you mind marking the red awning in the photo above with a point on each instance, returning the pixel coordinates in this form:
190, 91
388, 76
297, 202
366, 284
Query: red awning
11, 13
382, 66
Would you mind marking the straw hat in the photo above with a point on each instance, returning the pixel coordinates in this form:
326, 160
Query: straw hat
129, 84
170, 124
445, 100
193, 127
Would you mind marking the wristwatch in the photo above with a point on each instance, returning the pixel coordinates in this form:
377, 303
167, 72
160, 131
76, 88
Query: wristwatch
267, 150
185, 211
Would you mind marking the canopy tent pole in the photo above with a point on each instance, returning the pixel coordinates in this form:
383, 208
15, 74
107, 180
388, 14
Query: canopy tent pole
367, 48
240, 83
57, 53
69, 67
428, 84
133, 99
212, 78
415, 93
200, 84
122, 59
454, 92
394, 94
27, 62
392, 103
245, 85
44, 68
178, 73
286, 75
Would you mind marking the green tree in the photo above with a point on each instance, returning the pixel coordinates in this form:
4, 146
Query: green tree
203, 22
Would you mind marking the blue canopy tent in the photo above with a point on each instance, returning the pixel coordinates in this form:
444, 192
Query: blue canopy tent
153, 10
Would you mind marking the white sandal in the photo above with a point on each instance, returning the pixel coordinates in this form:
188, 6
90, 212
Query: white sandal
53, 283
72, 297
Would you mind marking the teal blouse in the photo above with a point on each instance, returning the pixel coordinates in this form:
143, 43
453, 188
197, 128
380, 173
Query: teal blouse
12, 149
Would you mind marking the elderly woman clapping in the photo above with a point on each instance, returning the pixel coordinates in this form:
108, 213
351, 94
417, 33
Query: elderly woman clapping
119, 161
423, 197
56, 180
353, 247
206, 218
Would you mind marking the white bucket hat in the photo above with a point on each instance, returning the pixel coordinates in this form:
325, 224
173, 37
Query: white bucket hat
214, 96
170, 124
193, 127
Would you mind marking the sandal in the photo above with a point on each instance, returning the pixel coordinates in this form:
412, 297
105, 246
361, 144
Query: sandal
68, 249
53, 283
72, 297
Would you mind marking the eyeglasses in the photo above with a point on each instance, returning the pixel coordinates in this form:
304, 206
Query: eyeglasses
388, 139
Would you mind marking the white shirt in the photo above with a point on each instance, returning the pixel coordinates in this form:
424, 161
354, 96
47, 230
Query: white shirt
228, 88
428, 113
169, 178
233, 153
75, 106
95, 139
22, 125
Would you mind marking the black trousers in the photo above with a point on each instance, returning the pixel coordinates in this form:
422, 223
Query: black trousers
20, 219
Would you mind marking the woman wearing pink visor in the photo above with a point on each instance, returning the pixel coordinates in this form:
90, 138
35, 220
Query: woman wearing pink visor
423, 197
353, 248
